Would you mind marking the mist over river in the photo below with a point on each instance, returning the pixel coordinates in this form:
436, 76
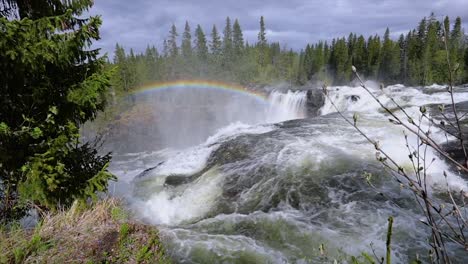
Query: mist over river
231, 178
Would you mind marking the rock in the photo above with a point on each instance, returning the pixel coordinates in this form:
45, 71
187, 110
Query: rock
148, 171
175, 180
453, 148
315, 100
353, 98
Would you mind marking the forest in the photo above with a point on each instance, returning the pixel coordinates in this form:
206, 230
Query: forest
260, 178
417, 58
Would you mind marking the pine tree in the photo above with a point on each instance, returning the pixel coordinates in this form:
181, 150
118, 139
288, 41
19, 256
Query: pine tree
403, 48
262, 44
341, 63
432, 60
237, 39
187, 42
421, 37
351, 47
165, 48
389, 63
301, 73
200, 44
173, 59
215, 44
123, 76
360, 59
318, 61
227, 40
456, 50
262, 34
133, 77
172, 42
373, 56
150, 64
446, 33
307, 64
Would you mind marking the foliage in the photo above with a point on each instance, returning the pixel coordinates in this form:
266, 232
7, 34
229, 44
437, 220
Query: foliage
51, 84
417, 58
103, 238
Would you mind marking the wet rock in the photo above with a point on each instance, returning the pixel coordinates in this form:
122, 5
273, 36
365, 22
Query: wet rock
453, 148
147, 171
175, 180
353, 98
315, 100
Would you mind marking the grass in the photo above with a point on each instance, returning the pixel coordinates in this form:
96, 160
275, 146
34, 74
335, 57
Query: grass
101, 234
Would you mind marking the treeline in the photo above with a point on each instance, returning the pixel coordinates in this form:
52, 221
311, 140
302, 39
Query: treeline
417, 58
220, 56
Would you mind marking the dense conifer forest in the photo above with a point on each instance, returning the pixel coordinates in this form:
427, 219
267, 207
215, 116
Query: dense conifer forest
417, 58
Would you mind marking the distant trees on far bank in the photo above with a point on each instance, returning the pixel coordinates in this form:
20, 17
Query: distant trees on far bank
415, 58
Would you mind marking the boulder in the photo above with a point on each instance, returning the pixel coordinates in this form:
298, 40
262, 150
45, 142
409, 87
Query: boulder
315, 100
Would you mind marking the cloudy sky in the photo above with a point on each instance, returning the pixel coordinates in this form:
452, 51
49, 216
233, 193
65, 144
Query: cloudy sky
136, 23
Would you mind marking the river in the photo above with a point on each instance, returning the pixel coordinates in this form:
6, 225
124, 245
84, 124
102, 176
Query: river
275, 182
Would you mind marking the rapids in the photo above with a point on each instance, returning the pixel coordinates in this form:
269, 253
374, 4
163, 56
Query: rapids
265, 183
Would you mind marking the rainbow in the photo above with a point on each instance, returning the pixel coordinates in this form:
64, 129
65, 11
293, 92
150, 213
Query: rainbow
198, 84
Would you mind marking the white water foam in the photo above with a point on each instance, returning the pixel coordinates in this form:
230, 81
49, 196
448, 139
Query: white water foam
173, 206
374, 123
180, 208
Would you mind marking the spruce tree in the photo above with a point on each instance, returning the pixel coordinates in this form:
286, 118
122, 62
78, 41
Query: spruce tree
262, 44
187, 42
341, 66
262, 34
200, 44
318, 61
172, 42
446, 29
150, 63
360, 57
52, 82
215, 44
165, 48
373, 56
124, 71
237, 39
403, 48
456, 50
307, 64
173, 59
227, 40
389, 63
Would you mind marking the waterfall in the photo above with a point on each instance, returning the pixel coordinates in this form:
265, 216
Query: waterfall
286, 106
301, 180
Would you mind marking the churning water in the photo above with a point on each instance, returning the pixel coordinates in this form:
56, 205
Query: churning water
270, 185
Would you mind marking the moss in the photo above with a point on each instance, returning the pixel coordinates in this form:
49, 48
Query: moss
104, 233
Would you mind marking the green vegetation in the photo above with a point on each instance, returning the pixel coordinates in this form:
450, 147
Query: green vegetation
101, 234
51, 84
417, 58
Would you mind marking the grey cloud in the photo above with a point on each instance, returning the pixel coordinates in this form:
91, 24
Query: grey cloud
137, 23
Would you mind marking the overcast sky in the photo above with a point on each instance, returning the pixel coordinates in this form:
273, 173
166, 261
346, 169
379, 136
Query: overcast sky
136, 23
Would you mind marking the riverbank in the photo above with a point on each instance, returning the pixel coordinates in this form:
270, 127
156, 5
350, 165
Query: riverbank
103, 233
